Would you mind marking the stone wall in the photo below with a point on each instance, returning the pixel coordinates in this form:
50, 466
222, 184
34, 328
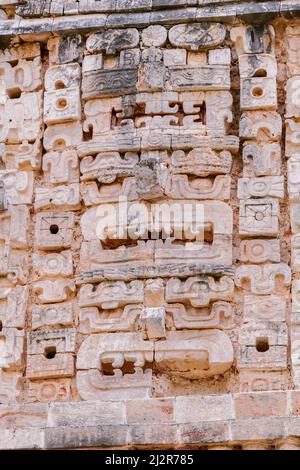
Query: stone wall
149, 224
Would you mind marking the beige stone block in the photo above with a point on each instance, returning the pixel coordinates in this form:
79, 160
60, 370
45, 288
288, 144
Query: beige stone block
257, 65
40, 367
262, 308
258, 93
54, 230
175, 57
25, 156
261, 160
53, 264
255, 405
10, 386
197, 36
259, 217
219, 57
153, 323
11, 348
54, 315
199, 292
13, 306
292, 138
261, 126
265, 186
50, 390
264, 279
66, 197
195, 59
62, 76
111, 295
218, 315
41, 342
194, 354
206, 408
260, 251
293, 98
96, 320
58, 290
293, 168
60, 136
62, 106
61, 167
257, 381
251, 40
18, 186
154, 36
25, 76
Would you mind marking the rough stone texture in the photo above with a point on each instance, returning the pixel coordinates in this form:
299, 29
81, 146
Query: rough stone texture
149, 246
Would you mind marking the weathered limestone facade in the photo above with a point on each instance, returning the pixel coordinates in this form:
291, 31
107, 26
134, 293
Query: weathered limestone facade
149, 330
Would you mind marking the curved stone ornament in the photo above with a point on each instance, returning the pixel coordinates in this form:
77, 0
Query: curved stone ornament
197, 36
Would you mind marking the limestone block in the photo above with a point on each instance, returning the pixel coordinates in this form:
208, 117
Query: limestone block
129, 59
183, 187
66, 197
65, 49
92, 62
261, 160
257, 381
154, 35
218, 112
53, 315
258, 93
293, 40
293, 168
96, 320
107, 167
197, 36
54, 230
205, 77
293, 98
199, 291
53, 264
11, 348
296, 295
62, 76
40, 342
295, 348
94, 193
10, 386
295, 252
40, 367
3, 201
14, 226
292, 138
111, 295
105, 83
295, 216
263, 346
21, 118
61, 167
60, 136
58, 290
18, 186
62, 106
13, 306
50, 390
194, 355
112, 41
14, 264
175, 57
153, 323
154, 293
260, 126
253, 39
265, 186
23, 77
264, 308
201, 162
99, 352
257, 65
262, 279
219, 57
259, 217
25, 156
260, 251
94, 256
219, 315
21, 51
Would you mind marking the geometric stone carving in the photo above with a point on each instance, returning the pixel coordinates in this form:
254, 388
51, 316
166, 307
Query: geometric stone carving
259, 217
54, 315
49, 292
18, 186
153, 323
261, 160
41, 367
201, 162
50, 390
25, 156
53, 264
267, 186
54, 230
112, 41
9, 386
293, 166
13, 306
293, 97
199, 291
62, 106
220, 315
14, 224
197, 36
260, 126
253, 39
60, 136
262, 279
258, 65
263, 345
96, 320
126, 355
258, 381
24, 76
11, 348
179, 187
295, 217
194, 354
62, 76
260, 251
61, 167
111, 295
62, 340
292, 139
65, 197
20, 118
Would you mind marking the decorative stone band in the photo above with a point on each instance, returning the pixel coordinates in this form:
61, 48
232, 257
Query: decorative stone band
264, 419
239, 10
